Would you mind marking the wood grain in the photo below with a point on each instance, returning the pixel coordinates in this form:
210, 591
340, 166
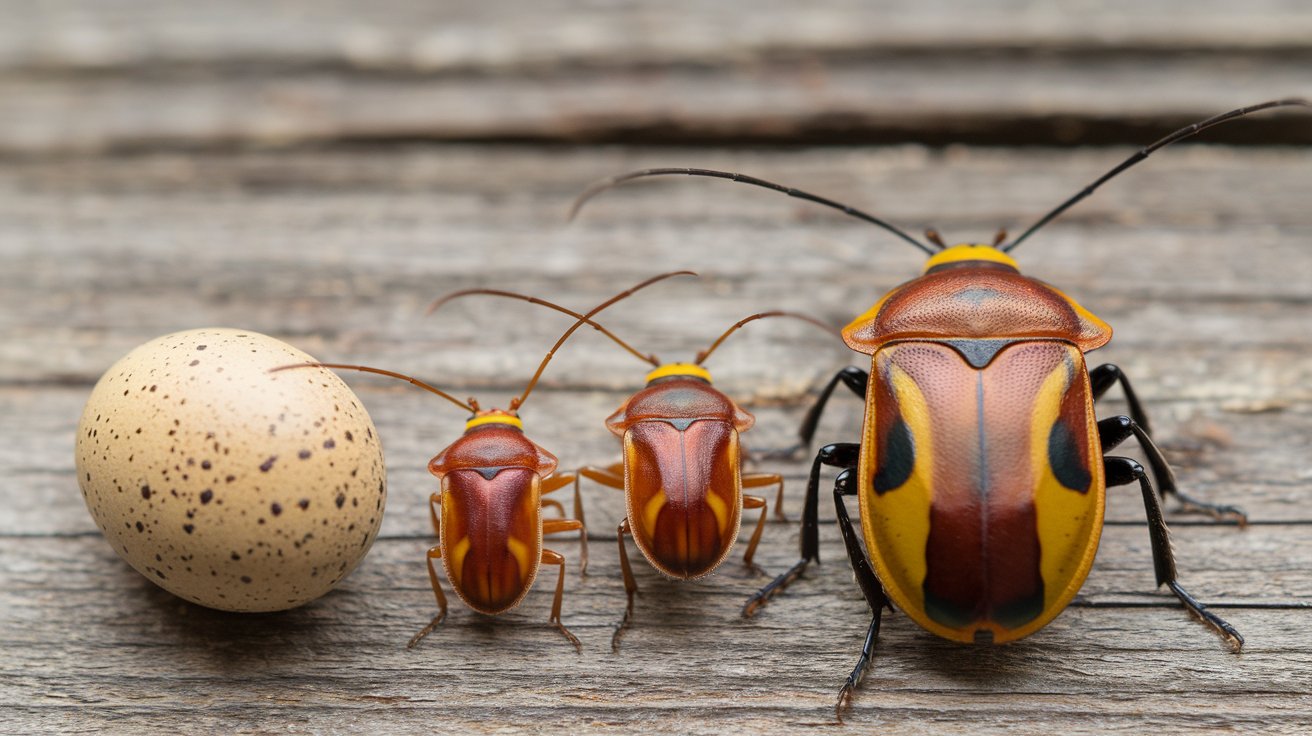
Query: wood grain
85, 76
338, 252
320, 171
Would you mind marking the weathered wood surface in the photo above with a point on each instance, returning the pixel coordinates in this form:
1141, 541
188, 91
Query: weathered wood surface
296, 169
88, 75
1201, 261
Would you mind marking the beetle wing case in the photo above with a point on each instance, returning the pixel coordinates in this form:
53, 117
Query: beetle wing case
491, 515
981, 476
982, 489
682, 465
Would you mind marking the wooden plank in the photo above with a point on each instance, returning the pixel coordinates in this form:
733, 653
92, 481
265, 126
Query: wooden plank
942, 100
94, 248
130, 654
1199, 259
405, 34
143, 74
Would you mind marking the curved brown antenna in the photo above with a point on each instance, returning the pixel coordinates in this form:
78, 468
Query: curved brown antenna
604, 184
934, 237
703, 355
518, 402
471, 406
1180, 134
534, 300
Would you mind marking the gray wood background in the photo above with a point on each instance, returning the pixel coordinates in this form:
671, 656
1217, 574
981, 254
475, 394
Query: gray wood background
319, 172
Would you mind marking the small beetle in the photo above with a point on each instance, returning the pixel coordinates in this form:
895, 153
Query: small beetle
980, 471
493, 479
682, 467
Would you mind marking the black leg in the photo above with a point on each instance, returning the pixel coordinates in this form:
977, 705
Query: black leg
870, 588
1102, 378
852, 377
1123, 471
842, 455
1115, 430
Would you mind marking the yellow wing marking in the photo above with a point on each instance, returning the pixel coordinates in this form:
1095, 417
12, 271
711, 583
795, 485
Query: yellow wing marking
897, 522
651, 510
1063, 516
456, 557
721, 511
521, 554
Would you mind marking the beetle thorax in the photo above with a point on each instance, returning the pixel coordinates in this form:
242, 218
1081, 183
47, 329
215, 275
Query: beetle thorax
492, 417
975, 300
971, 255
682, 370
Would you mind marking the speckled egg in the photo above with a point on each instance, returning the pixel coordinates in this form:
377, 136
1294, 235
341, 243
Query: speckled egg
225, 484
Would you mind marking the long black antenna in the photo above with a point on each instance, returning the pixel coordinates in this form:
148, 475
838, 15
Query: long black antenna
607, 183
1182, 133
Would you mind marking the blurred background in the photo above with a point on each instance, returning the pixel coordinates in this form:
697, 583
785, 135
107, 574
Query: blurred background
145, 74
320, 171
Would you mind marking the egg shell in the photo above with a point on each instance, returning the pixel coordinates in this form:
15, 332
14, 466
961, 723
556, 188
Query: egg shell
225, 484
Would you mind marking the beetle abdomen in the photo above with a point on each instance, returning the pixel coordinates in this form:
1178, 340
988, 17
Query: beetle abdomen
984, 499
491, 535
684, 493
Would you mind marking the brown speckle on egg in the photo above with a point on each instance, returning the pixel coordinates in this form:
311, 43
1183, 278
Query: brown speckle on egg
176, 434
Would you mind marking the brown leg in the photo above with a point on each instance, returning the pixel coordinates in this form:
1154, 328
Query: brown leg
551, 526
754, 502
433, 554
434, 503
555, 483
630, 586
555, 558
761, 480
611, 476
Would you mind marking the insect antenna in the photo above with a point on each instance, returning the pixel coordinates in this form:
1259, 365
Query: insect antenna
437, 303
1182, 133
703, 355
470, 406
607, 183
584, 319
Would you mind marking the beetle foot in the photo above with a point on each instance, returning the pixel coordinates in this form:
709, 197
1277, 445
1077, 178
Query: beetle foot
1218, 511
1229, 634
439, 618
844, 703
619, 630
615, 638
578, 647
773, 588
